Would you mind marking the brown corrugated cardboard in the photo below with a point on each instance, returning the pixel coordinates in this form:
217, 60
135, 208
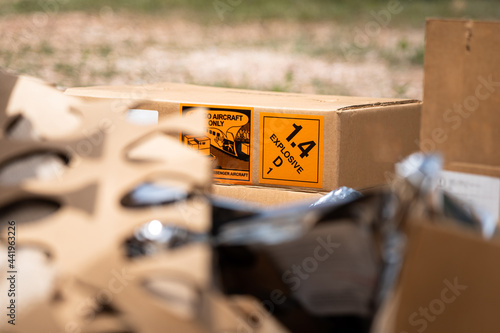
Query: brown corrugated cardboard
265, 196
85, 237
462, 94
449, 283
461, 98
288, 140
94, 285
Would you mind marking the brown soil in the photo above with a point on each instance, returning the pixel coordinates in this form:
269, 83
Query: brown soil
74, 49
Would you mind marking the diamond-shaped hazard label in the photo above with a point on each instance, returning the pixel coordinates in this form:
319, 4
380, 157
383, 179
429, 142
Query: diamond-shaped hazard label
291, 150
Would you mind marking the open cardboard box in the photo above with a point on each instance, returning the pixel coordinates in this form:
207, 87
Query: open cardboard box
449, 280
449, 277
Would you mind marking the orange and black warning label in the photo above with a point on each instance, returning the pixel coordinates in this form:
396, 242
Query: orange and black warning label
227, 142
291, 150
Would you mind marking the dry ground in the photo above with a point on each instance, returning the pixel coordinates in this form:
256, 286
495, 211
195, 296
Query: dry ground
76, 49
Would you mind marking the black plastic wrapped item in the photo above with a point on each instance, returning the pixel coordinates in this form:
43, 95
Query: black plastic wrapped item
324, 276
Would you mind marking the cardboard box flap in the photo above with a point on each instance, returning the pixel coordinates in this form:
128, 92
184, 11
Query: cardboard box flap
449, 282
462, 91
185, 93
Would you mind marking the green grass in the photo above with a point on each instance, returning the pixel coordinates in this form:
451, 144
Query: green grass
348, 17
66, 69
230, 11
45, 48
104, 50
404, 53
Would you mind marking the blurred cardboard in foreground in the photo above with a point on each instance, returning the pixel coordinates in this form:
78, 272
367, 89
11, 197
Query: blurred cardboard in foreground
449, 283
460, 115
288, 140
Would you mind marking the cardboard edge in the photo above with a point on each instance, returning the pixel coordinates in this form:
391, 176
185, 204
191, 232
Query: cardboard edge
431, 20
107, 91
375, 105
253, 194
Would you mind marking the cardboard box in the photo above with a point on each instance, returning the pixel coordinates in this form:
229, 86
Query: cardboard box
448, 283
460, 115
289, 140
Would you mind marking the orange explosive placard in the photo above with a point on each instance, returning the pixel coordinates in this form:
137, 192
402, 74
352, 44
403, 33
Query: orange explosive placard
291, 150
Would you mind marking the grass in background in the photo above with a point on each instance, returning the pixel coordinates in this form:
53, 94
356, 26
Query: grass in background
215, 11
68, 67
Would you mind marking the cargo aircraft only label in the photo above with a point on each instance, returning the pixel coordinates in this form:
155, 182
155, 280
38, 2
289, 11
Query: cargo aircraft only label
291, 151
227, 141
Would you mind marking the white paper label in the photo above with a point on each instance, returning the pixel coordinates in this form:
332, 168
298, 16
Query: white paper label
482, 192
142, 117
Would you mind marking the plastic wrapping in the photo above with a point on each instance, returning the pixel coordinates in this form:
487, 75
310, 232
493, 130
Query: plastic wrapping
340, 195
